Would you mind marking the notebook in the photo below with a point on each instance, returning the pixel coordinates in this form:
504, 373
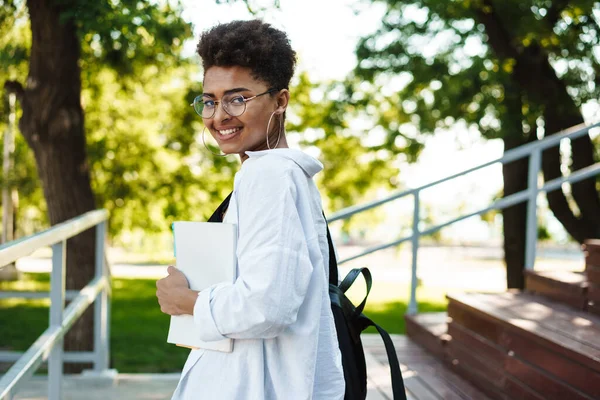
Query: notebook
205, 253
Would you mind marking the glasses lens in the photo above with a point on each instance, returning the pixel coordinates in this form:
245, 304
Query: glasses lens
204, 107
234, 105
199, 105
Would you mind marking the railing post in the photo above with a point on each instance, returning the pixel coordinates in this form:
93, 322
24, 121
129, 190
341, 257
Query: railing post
535, 161
412, 305
101, 307
57, 305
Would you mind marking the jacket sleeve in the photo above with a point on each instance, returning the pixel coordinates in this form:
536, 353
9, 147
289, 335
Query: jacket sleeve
274, 267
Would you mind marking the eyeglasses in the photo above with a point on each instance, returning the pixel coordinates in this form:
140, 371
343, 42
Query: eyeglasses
233, 104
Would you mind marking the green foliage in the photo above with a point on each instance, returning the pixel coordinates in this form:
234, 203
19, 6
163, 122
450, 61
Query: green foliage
325, 116
445, 71
14, 54
148, 164
122, 33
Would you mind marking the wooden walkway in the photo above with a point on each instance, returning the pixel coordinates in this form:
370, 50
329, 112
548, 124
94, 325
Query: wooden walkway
425, 377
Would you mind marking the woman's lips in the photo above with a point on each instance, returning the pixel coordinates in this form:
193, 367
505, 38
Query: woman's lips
228, 134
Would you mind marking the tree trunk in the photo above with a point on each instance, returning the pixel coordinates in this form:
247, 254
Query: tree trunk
52, 123
534, 74
515, 180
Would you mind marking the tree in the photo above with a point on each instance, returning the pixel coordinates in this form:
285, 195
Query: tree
121, 34
510, 69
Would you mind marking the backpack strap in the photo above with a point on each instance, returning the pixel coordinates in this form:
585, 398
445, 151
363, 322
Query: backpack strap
217, 216
333, 270
349, 280
398, 389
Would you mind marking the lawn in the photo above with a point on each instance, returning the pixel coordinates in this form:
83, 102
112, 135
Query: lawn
139, 329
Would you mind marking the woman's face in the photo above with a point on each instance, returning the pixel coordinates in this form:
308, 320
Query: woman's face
236, 135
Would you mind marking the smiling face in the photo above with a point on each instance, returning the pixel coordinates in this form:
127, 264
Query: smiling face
246, 132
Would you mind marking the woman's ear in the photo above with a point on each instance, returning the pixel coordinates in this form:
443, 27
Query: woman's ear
283, 99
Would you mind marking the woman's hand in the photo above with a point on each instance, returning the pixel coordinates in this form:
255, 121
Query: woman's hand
174, 295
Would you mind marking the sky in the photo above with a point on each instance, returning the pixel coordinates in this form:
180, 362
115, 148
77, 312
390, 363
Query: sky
324, 33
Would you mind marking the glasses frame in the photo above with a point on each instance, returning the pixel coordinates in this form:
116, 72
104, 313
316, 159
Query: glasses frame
217, 102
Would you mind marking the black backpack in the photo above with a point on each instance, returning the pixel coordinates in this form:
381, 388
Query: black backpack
349, 323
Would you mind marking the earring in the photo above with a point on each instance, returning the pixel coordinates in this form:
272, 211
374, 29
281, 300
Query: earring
278, 135
207, 148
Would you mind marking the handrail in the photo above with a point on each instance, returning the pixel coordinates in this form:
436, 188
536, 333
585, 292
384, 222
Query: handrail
533, 150
48, 346
509, 156
12, 251
39, 351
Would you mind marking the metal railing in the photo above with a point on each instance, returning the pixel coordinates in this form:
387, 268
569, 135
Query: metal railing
49, 346
532, 150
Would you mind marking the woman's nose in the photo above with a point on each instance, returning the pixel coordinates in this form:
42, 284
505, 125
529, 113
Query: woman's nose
220, 113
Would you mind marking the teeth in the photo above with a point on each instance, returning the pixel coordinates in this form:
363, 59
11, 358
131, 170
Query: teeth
229, 131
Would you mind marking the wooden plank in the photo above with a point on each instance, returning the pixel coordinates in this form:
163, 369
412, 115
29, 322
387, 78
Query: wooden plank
591, 251
373, 392
489, 376
547, 355
546, 359
419, 389
565, 321
593, 293
539, 323
434, 322
563, 286
458, 385
427, 330
593, 273
489, 371
379, 375
476, 343
569, 280
464, 365
543, 383
441, 381
475, 321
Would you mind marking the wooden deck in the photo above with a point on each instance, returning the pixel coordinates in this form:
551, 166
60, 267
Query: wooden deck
425, 377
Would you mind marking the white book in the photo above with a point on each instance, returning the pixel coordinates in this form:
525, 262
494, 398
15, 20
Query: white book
205, 253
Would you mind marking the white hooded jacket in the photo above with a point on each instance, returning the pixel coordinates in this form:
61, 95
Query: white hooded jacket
278, 310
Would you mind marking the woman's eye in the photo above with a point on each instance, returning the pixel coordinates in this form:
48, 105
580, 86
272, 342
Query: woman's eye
237, 100
209, 103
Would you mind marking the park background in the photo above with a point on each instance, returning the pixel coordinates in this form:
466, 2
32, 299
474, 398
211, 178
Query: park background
387, 95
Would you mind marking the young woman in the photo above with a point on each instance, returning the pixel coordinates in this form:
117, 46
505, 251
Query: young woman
278, 309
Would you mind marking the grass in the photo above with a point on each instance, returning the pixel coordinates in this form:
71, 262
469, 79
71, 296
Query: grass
139, 329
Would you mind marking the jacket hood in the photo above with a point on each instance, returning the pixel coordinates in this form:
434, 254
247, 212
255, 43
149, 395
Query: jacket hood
308, 164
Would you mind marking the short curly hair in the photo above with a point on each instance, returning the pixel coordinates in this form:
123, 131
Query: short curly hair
253, 44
